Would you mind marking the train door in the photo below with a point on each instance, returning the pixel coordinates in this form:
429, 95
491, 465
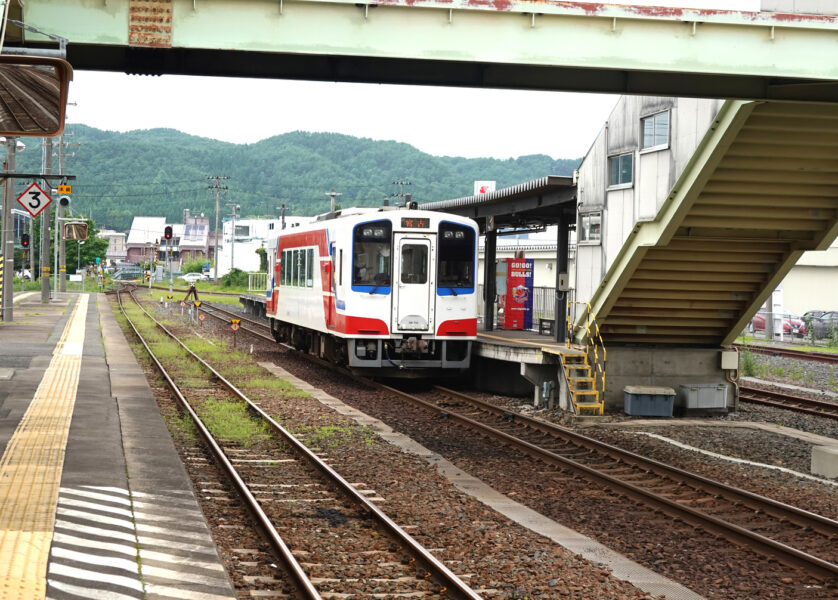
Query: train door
413, 310
330, 273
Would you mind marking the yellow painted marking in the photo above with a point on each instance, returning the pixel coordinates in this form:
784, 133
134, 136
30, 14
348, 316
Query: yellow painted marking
19, 297
30, 469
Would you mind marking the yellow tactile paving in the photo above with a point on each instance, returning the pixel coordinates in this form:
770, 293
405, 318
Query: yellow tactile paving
30, 469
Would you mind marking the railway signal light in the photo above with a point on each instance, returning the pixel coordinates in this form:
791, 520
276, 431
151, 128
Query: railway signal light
167, 233
24, 240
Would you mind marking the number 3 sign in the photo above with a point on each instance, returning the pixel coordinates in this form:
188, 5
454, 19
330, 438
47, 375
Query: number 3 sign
34, 199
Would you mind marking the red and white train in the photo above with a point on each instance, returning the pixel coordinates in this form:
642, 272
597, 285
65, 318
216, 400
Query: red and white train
387, 291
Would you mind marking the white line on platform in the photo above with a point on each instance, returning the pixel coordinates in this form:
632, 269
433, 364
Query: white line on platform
88, 593
94, 576
737, 460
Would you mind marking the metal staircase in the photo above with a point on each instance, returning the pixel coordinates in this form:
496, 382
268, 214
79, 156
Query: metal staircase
585, 373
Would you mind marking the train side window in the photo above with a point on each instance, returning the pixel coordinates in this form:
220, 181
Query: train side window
340, 268
295, 267
456, 256
371, 244
283, 268
310, 267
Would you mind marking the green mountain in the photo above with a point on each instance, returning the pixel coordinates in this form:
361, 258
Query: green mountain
160, 172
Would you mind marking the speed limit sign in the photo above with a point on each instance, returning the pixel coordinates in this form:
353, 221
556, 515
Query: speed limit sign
202, 317
34, 199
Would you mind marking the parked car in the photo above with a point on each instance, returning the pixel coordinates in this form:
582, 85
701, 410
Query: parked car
824, 324
192, 277
792, 324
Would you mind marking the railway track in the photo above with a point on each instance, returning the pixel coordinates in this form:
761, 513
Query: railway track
825, 357
809, 406
251, 326
337, 519
792, 536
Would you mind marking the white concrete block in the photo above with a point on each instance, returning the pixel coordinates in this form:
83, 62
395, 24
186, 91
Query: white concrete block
825, 461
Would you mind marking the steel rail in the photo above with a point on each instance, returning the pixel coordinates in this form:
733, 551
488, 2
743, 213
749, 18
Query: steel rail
280, 547
174, 289
794, 514
815, 356
818, 408
735, 533
236, 315
450, 582
214, 315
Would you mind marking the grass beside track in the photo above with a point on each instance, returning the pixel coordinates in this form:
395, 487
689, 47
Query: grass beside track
227, 418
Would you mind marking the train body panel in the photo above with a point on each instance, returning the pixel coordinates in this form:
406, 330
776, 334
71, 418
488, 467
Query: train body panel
378, 289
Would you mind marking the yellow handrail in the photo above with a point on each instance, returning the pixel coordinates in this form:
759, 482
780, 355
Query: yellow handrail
593, 340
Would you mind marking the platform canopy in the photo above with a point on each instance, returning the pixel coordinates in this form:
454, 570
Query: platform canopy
528, 206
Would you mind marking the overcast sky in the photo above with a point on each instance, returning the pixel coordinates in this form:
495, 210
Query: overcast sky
560, 125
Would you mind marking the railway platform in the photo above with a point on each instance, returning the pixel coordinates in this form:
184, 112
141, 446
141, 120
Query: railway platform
94, 501
521, 362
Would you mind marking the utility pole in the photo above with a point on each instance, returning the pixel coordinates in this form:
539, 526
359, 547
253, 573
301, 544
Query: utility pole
8, 238
217, 188
332, 195
401, 184
281, 210
45, 220
234, 209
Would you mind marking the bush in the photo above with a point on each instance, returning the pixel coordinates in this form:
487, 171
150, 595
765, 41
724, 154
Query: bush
193, 266
235, 278
747, 363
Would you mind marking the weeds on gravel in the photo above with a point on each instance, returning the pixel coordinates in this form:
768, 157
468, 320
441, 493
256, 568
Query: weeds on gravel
275, 385
747, 363
331, 436
182, 427
229, 421
796, 373
778, 371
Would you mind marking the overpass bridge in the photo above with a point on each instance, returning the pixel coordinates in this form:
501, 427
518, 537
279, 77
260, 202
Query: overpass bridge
545, 45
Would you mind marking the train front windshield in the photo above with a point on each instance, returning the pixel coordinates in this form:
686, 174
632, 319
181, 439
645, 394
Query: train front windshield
371, 247
456, 257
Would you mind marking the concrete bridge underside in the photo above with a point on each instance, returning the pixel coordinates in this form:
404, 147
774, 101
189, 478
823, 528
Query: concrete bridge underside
549, 45
761, 189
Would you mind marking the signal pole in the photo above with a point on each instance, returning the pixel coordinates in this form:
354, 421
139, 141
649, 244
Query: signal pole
217, 188
62, 244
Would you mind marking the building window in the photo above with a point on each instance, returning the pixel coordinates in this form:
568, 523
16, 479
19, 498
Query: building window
655, 131
620, 169
590, 227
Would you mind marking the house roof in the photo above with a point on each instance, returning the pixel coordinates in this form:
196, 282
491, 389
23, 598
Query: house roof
146, 230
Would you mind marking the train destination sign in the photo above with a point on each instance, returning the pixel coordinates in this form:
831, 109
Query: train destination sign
415, 223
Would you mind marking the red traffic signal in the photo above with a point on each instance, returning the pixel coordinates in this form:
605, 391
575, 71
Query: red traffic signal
168, 232
24, 240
